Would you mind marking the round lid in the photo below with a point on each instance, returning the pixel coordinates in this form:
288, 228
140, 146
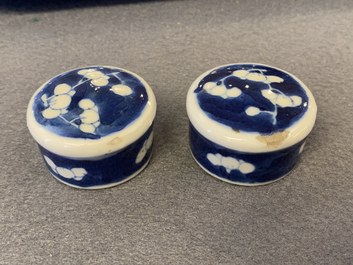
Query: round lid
91, 111
251, 107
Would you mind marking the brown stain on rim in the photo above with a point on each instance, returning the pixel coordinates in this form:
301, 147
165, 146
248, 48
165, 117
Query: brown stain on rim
115, 141
273, 140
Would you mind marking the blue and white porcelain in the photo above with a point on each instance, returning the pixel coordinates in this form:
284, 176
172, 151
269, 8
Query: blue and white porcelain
249, 122
93, 125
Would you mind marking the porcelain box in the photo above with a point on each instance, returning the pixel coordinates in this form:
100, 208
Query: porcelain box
93, 125
249, 122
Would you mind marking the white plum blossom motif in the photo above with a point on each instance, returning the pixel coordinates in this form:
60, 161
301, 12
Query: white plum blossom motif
89, 117
145, 147
220, 90
57, 104
230, 163
252, 111
257, 76
73, 173
281, 100
275, 96
122, 90
96, 77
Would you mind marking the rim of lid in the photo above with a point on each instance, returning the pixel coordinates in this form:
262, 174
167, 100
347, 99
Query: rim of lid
81, 148
225, 136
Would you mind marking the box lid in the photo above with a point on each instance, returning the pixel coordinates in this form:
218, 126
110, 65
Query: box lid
251, 107
91, 111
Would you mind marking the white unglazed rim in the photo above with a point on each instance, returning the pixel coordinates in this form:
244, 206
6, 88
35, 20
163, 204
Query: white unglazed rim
247, 141
81, 148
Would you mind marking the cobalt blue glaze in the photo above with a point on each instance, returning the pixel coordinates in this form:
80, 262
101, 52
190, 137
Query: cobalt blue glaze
93, 125
231, 111
110, 170
248, 122
268, 166
115, 111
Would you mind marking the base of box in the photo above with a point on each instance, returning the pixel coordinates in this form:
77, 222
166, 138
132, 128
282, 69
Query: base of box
105, 186
235, 182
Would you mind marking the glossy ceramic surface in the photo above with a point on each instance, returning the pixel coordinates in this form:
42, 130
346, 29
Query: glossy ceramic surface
93, 125
248, 122
101, 173
242, 168
90, 103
